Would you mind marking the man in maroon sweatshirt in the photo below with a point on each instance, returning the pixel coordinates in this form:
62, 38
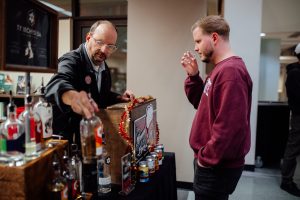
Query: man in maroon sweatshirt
220, 133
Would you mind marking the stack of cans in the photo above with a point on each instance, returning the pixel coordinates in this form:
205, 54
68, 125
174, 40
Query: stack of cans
151, 163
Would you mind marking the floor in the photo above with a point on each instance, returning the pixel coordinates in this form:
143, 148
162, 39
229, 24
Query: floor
263, 184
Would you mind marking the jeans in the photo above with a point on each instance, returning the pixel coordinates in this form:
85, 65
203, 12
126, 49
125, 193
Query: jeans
292, 150
215, 183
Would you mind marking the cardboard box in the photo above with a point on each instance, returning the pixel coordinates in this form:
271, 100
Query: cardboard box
29, 181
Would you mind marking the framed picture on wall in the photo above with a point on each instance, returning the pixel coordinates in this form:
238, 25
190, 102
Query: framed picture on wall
29, 36
21, 84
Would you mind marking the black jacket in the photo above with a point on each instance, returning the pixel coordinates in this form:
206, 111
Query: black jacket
293, 87
74, 68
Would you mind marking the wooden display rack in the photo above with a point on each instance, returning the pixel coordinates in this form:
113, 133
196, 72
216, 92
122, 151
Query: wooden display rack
30, 181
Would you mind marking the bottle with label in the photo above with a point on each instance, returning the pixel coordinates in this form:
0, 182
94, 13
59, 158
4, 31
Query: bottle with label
103, 173
91, 138
44, 109
66, 166
33, 130
76, 171
103, 170
58, 185
13, 129
67, 173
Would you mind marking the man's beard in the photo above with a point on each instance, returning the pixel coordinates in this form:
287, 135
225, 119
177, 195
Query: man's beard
96, 57
207, 56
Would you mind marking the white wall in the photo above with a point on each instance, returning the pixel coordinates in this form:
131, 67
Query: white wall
158, 34
280, 16
245, 18
269, 70
65, 39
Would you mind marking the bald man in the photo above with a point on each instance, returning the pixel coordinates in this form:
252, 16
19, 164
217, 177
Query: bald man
81, 72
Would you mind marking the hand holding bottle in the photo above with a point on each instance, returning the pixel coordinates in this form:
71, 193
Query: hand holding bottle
80, 103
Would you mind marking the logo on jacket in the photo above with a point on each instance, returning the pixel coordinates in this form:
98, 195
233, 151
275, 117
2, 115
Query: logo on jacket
207, 86
88, 80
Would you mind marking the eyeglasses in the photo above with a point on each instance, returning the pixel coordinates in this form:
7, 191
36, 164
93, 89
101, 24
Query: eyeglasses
111, 48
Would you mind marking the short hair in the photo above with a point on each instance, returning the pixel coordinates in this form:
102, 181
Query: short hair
213, 23
99, 22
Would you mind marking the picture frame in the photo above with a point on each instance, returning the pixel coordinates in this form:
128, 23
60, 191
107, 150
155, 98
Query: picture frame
126, 180
141, 127
21, 85
29, 40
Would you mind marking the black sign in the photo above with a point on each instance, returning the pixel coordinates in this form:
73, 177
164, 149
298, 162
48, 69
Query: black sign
27, 34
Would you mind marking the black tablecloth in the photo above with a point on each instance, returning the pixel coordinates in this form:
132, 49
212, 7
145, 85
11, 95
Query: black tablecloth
161, 186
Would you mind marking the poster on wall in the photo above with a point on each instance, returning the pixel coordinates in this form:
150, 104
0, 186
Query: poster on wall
27, 34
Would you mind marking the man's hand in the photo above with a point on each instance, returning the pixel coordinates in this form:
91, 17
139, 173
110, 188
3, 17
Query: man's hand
199, 164
189, 63
127, 96
80, 103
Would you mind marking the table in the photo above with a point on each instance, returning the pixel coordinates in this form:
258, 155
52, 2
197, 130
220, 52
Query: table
30, 181
162, 186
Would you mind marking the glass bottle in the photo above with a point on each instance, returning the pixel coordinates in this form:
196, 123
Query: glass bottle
13, 129
103, 170
76, 171
58, 185
33, 130
44, 109
92, 145
91, 138
3, 148
66, 165
67, 173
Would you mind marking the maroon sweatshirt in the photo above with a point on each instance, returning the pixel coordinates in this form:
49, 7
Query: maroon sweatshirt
220, 134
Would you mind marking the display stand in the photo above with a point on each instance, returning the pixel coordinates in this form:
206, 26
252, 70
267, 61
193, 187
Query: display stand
30, 180
134, 141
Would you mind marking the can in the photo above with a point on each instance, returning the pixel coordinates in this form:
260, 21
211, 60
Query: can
155, 157
159, 155
151, 164
161, 146
143, 172
151, 148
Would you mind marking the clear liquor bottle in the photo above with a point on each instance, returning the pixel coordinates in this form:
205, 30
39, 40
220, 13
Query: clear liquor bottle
33, 130
67, 174
76, 171
13, 129
44, 109
91, 138
103, 172
58, 185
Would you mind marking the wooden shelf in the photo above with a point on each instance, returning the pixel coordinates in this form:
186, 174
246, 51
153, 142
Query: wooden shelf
18, 96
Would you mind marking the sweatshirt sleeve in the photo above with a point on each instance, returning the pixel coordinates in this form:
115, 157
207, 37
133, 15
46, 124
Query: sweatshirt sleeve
230, 127
193, 87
